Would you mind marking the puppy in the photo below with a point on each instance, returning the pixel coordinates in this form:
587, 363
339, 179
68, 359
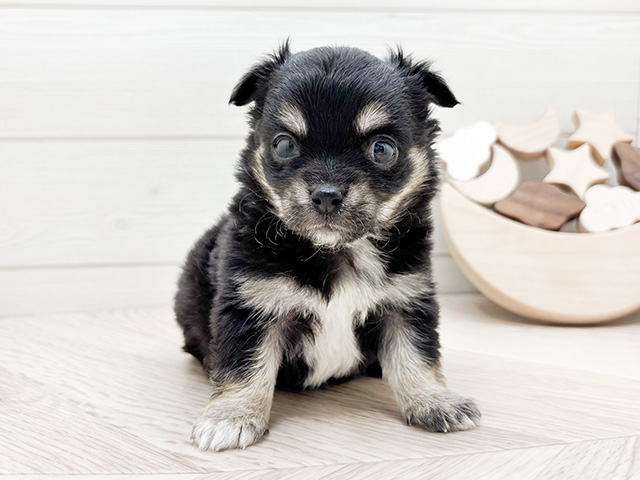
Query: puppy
320, 270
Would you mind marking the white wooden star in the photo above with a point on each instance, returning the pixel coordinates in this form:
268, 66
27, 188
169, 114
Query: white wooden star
599, 131
575, 169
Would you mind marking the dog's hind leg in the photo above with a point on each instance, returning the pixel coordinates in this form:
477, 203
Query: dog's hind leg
195, 294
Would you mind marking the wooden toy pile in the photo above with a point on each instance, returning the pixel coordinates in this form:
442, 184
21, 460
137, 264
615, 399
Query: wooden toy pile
574, 186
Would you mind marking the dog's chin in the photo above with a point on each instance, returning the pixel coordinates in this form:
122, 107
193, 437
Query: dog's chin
330, 238
332, 232
325, 235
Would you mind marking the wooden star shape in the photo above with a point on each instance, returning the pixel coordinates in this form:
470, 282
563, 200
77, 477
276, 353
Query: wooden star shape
575, 169
599, 131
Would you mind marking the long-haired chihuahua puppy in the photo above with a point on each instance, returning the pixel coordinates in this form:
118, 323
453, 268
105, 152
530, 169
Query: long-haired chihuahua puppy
320, 270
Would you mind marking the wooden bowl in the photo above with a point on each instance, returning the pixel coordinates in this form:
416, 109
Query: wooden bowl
576, 278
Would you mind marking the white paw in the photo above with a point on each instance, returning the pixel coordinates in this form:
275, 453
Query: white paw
442, 411
223, 429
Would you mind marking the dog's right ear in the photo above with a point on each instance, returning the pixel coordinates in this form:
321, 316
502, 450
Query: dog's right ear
252, 85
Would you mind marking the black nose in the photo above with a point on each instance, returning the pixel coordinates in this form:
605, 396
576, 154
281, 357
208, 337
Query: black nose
326, 198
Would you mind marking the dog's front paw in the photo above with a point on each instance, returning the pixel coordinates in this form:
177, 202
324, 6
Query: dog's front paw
223, 429
442, 410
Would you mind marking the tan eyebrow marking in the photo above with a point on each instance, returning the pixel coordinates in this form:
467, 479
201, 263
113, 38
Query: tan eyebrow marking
292, 118
371, 117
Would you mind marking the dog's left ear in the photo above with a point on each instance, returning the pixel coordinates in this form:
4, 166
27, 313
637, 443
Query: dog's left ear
252, 85
420, 75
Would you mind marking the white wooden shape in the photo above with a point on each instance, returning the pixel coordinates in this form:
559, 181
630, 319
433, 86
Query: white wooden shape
551, 276
609, 208
502, 178
467, 150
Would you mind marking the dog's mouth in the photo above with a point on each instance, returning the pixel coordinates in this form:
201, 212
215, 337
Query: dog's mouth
328, 231
349, 222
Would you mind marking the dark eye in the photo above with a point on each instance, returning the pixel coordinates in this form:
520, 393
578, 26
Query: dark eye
284, 148
383, 152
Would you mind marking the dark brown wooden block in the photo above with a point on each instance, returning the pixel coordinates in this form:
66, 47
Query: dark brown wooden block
541, 204
627, 159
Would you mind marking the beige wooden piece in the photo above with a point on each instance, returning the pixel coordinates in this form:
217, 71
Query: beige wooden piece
551, 276
502, 178
575, 169
609, 208
531, 141
599, 131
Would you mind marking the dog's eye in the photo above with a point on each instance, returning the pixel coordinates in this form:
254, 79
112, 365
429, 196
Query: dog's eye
383, 152
284, 148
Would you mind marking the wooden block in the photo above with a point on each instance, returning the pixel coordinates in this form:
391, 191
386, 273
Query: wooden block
599, 131
553, 276
541, 205
609, 208
575, 169
502, 178
467, 150
627, 159
530, 142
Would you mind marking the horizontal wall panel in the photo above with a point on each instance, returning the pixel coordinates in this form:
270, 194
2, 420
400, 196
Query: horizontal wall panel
48, 290
168, 72
94, 202
110, 202
576, 6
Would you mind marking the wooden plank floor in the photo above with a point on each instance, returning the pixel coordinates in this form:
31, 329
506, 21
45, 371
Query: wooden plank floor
111, 395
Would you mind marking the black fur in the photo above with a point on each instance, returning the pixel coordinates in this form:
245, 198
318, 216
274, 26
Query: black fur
329, 86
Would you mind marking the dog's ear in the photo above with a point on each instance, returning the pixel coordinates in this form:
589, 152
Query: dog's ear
253, 83
419, 74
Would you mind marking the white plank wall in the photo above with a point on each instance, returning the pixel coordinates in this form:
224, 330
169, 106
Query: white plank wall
117, 144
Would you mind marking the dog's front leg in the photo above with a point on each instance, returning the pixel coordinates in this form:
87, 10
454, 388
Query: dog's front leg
410, 360
244, 367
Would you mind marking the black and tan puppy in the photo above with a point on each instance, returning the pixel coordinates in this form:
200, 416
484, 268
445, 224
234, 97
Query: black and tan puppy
321, 270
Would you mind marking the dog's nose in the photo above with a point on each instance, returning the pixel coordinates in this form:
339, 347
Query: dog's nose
326, 198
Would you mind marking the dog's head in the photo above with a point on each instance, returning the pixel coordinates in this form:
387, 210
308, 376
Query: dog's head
341, 142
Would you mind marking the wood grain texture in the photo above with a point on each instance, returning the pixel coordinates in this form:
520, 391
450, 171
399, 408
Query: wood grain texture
148, 364
613, 459
541, 205
550, 276
155, 72
627, 160
124, 370
42, 433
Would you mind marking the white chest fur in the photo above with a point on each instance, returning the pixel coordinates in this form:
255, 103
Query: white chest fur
333, 351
